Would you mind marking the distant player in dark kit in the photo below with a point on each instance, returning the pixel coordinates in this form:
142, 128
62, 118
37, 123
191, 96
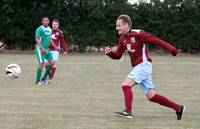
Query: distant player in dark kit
134, 42
58, 41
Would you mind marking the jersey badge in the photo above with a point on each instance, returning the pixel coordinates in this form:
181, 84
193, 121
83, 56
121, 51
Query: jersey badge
132, 39
128, 46
53, 36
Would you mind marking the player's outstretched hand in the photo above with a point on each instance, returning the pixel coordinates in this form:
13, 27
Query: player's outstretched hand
65, 53
179, 53
107, 50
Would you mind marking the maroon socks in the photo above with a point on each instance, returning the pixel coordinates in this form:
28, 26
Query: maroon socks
52, 73
164, 101
128, 98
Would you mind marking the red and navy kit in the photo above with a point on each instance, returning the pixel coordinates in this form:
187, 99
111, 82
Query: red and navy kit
58, 39
135, 44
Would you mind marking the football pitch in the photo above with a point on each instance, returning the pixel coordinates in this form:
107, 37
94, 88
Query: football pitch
86, 92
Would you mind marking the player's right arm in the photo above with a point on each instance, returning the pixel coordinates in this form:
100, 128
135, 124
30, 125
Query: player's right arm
38, 39
54, 45
116, 53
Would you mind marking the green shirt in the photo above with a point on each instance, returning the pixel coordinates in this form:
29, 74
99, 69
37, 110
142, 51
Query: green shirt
44, 34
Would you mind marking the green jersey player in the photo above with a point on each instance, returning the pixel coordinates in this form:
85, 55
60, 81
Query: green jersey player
43, 40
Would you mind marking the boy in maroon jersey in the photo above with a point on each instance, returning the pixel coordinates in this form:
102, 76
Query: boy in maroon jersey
58, 39
134, 42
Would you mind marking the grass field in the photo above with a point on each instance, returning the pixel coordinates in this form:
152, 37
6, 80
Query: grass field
86, 92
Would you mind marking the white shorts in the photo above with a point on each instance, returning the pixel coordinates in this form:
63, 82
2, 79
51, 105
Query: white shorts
55, 55
141, 74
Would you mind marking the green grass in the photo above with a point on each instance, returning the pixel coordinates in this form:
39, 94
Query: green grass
86, 92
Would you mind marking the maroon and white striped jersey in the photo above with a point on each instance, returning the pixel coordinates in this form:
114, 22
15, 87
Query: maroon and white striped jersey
135, 44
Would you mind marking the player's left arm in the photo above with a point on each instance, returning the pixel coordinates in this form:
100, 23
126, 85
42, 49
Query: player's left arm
147, 37
63, 43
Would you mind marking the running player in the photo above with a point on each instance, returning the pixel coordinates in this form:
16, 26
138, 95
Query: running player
134, 42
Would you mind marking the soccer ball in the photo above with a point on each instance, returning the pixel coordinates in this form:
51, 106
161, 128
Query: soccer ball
13, 71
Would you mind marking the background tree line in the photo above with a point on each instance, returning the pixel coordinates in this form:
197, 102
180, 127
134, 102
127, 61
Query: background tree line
92, 22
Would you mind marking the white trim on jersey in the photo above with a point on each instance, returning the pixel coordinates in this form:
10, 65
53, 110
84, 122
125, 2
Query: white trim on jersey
39, 54
136, 30
144, 56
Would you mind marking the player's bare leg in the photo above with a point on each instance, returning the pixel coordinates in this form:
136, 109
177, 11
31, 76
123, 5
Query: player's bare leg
127, 84
153, 96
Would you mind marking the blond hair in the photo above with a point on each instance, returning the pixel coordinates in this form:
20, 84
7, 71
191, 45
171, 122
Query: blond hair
126, 19
56, 20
